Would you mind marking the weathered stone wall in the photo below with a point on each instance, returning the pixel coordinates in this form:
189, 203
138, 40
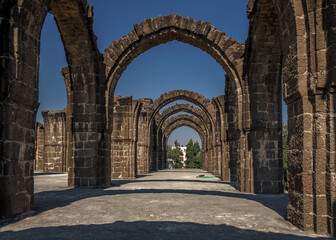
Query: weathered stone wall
143, 161
305, 32
39, 147
263, 61
21, 24
123, 143
55, 141
233, 132
227, 171
153, 147
20, 37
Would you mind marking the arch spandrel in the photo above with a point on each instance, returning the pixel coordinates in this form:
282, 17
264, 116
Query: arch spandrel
184, 117
160, 118
193, 97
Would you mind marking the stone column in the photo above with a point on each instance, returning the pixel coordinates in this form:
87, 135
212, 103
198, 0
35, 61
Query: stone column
39, 147
141, 145
19, 53
55, 141
311, 162
153, 148
159, 150
123, 161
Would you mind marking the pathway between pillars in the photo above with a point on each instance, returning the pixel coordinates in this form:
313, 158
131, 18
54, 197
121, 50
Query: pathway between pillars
169, 204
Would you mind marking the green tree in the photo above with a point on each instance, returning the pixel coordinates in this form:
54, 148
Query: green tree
190, 154
198, 161
194, 155
197, 148
175, 154
284, 155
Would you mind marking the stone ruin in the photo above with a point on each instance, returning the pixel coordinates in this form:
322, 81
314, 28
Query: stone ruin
290, 51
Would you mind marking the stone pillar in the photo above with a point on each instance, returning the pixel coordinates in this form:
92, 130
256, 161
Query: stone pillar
245, 178
218, 158
123, 161
19, 53
263, 72
142, 136
311, 163
164, 152
225, 174
55, 141
153, 148
159, 150
142, 151
39, 146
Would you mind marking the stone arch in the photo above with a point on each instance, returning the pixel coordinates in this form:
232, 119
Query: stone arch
19, 96
164, 116
177, 121
161, 118
185, 118
183, 123
155, 31
199, 100
306, 91
195, 98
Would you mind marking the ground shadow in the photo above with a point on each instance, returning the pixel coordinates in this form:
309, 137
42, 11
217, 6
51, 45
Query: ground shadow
47, 173
121, 182
162, 230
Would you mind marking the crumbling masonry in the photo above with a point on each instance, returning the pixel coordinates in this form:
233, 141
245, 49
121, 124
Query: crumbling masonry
291, 43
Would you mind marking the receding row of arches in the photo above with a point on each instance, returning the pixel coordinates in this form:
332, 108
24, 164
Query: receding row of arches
140, 132
291, 40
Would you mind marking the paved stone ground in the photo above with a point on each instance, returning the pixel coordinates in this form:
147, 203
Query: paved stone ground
169, 204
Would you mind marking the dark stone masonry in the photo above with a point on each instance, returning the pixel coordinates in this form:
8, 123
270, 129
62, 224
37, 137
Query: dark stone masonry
290, 52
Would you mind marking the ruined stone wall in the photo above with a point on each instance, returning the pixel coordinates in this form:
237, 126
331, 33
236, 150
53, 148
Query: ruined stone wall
21, 24
143, 136
123, 144
154, 165
221, 138
55, 141
297, 37
263, 61
39, 147
305, 38
20, 38
233, 133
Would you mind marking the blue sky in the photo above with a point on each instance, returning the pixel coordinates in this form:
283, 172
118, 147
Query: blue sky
163, 68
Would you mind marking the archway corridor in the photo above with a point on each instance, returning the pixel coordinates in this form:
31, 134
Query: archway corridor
115, 150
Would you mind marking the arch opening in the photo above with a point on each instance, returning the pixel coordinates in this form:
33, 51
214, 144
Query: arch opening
192, 156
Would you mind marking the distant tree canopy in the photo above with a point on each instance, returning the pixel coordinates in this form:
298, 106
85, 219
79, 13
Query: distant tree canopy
193, 154
175, 154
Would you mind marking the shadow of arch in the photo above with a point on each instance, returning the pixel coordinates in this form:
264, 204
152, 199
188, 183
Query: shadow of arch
149, 230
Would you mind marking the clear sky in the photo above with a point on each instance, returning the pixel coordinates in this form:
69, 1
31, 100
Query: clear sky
166, 67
